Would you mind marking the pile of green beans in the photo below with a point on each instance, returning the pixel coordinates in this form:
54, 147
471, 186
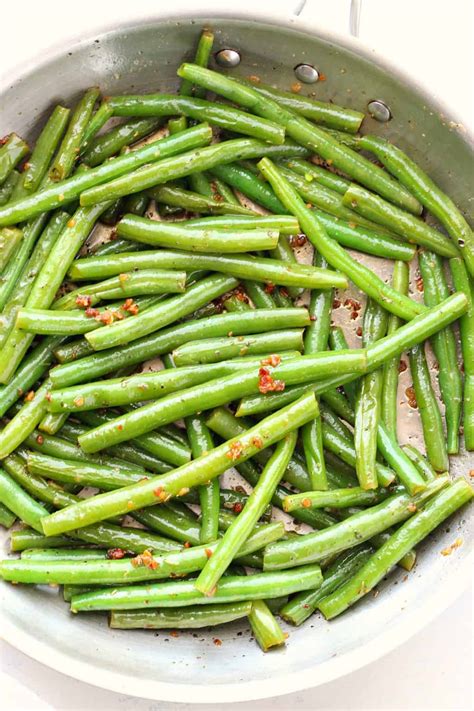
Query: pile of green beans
196, 340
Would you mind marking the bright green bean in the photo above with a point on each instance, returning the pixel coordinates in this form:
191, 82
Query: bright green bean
216, 392
173, 236
406, 537
335, 255
191, 617
194, 473
346, 534
428, 408
435, 290
411, 228
389, 401
71, 143
466, 326
216, 349
67, 190
305, 133
426, 191
169, 339
240, 530
174, 594
20, 503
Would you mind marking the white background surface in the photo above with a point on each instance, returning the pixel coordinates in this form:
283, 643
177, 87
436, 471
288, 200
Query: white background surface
433, 42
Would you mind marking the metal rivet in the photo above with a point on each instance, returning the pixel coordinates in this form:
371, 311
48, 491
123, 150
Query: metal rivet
379, 110
227, 58
306, 73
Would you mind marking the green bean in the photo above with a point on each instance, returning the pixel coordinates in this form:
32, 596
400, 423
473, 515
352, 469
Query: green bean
412, 532
338, 342
12, 150
48, 281
240, 266
240, 530
426, 191
428, 408
140, 387
203, 53
25, 421
194, 473
284, 252
36, 486
265, 628
174, 594
325, 113
7, 517
444, 346
397, 458
136, 204
67, 190
420, 462
368, 402
417, 330
182, 166
316, 339
256, 404
389, 399
216, 349
364, 239
46, 144
110, 143
162, 314
110, 572
209, 498
302, 605
70, 590
72, 350
199, 109
141, 282
71, 143
20, 503
24, 538
31, 369
216, 392
98, 120
192, 617
15, 267
364, 278
173, 236
336, 498
194, 202
8, 187
323, 176
260, 295
42, 321
222, 189
345, 450
169, 339
305, 133
411, 228
284, 224
250, 185
25, 281
346, 534
227, 425
10, 238
466, 327
82, 473
71, 554
237, 303
328, 201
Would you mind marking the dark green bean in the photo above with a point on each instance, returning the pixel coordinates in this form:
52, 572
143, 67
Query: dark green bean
435, 290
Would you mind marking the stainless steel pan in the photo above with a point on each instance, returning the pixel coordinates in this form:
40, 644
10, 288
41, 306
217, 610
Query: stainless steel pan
192, 668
